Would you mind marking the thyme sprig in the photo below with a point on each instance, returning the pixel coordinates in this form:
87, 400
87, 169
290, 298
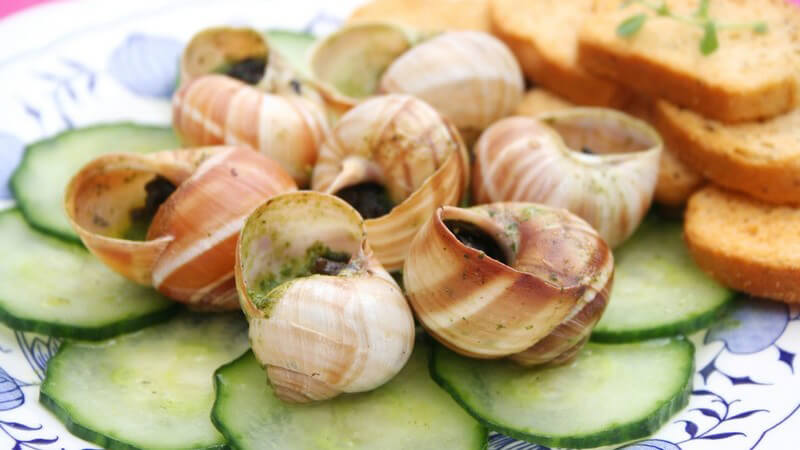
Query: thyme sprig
708, 44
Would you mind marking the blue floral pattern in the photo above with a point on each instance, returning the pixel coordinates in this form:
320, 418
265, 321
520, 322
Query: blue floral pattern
743, 359
146, 64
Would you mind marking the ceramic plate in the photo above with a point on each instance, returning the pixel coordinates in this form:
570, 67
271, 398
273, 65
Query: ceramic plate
71, 64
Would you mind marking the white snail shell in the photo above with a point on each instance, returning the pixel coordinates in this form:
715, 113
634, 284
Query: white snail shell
405, 145
540, 160
470, 77
319, 334
188, 251
538, 308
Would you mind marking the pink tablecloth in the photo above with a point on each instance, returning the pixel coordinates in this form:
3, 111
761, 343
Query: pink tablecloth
11, 6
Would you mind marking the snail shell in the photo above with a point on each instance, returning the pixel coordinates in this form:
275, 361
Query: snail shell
324, 316
536, 300
599, 164
470, 77
404, 145
189, 247
215, 48
346, 65
215, 109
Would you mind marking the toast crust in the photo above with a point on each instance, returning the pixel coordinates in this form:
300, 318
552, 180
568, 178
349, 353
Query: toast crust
760, 159
657, 80
555, 69
748, 245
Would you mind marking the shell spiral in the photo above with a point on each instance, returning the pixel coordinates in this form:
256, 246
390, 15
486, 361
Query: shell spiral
538, 306
405, 145
188, 251
599, 164
319, 332
216, 110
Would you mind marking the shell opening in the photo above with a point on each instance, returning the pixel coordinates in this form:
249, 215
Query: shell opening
592, 131
350, 62
370, 199
248, 70
297, 235
474, 237
157, 191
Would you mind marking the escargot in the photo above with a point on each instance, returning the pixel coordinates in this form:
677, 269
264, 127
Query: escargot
517, 280
470, 77
171, 219
325, 317
215, 110
395, 159
598, 163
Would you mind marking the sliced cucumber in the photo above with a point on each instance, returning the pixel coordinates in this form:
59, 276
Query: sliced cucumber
294, 46
409, 412
609, 394
55, 287
658, 290
47, 166
151, 389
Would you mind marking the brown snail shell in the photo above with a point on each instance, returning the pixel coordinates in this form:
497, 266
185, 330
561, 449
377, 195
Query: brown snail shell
216, 110
598, 163
403, 144
188, 250
324, 316
537, 303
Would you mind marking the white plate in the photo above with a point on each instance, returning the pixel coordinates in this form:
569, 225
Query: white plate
71, 64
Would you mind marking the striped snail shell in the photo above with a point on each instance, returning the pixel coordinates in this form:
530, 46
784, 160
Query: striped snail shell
518, 280
171, 219
396, 160
325, 317
216, 110
598, 163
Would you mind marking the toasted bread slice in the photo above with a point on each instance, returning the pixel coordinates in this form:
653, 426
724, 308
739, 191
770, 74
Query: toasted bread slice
750, 76
759, 158
543, 36
428, 15
676, 181
746, 244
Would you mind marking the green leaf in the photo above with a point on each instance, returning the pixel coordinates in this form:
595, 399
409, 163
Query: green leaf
663, 10
702, 9
760, 27
631, 25
709, 43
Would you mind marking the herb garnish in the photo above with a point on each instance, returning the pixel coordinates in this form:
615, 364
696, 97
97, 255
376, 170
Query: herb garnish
708, 44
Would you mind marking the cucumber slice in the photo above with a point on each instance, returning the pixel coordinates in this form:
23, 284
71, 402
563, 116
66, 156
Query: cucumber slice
39, 182
294, 46
55, 287
409, 412
658, 289
151, 389
608, 395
